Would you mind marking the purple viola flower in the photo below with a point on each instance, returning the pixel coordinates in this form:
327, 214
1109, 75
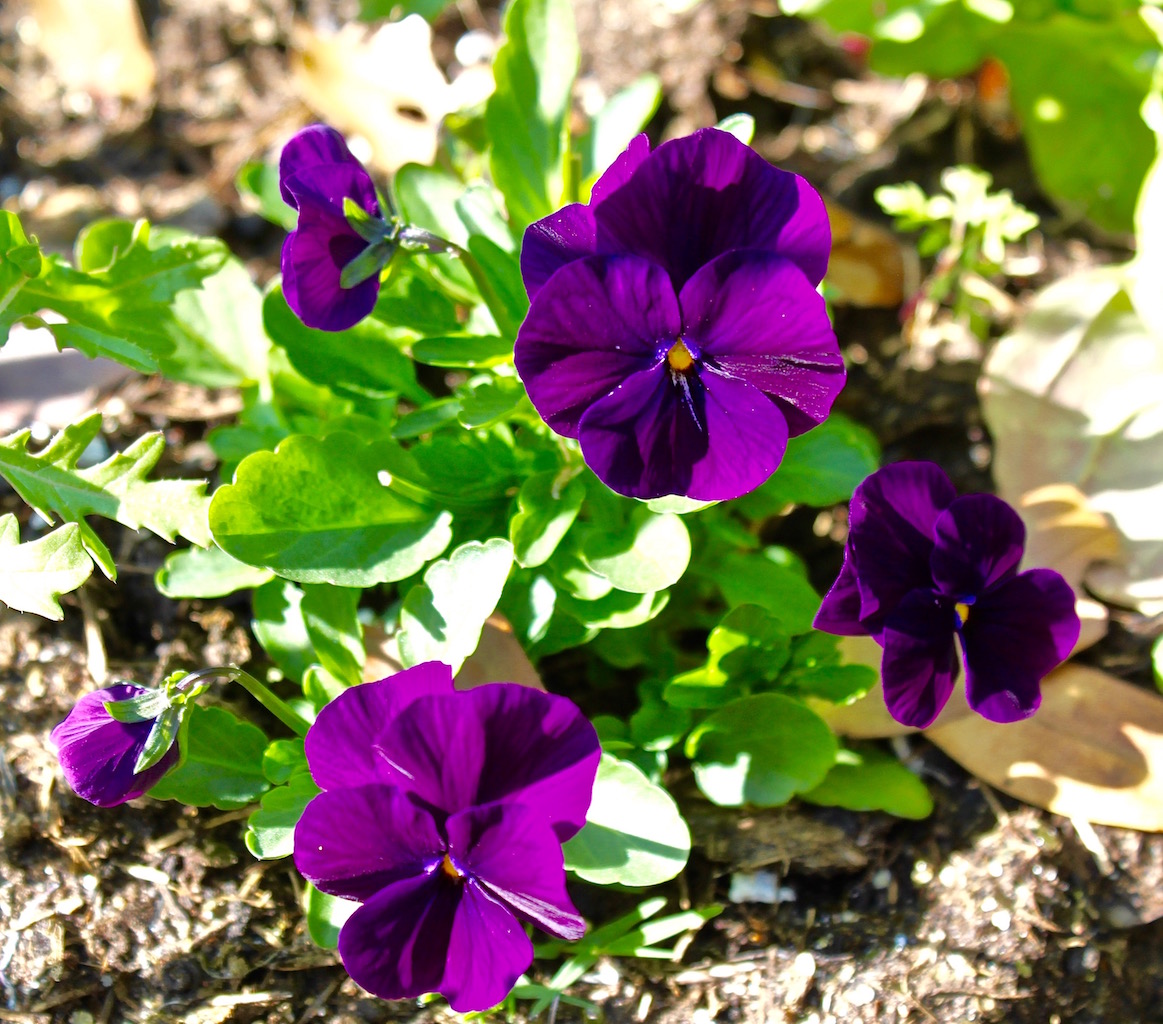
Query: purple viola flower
317, 172
922, 566
674, 328
98, 753
443, 813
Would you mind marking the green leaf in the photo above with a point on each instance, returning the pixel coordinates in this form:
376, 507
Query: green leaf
427, 198
206, 572
634, 833
526, 116
33, 575
442, 618
463, 350
375, 10
161, 737
760, 579
282, 759
277, 622
837, 684
117, 488
143, 708
488, 401
742, 126
325, 915
270, 831
616, 610
221, 762
650, 554
357, 529
868, 779
361, 361
547, 508
623, 116
334, 630
258, 183
762, 750
655, 726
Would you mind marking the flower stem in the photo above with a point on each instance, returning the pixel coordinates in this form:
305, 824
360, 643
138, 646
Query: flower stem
275, 705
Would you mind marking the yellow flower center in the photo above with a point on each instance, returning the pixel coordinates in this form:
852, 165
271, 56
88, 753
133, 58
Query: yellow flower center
450, 869
962, 612
679, 357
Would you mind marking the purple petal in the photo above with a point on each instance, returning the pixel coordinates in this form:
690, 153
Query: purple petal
97, 753
396, 945
314, 255
755, 316
317, 160
552, 242
512, 851
702, 434
891, 521
979, 543
920, 663
1014, 636
698, 197
354, 842
840, 610
488, 951
597, 322
497, 742
620, 171
341, 745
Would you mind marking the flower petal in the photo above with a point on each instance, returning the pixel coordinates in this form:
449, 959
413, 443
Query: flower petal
621, 170
920, 663
552, 242
697, 197
341, 744
497, 742
890, 535
1013, 637
313, 258
597, 322
979, 543
353, 842
755, 316
703, 435
396, 945
511, 850
488, 951
840, 610
314, 146
97, 753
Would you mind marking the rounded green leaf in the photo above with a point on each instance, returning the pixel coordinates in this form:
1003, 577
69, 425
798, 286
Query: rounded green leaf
871, 780
325, 915
270, 832
634, 833
547, 511
650, 554
326, 510
207, 572
762, 750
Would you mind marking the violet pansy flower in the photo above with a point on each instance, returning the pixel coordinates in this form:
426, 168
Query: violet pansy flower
99, 754
675, 329
317, 172
443, 813
923, 566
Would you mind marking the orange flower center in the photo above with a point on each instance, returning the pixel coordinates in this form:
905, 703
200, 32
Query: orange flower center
679, 357
962, 612
450, 869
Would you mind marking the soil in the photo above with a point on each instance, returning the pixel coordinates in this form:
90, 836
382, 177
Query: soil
987, 911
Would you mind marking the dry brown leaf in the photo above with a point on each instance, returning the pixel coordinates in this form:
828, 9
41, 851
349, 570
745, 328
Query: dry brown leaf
868, 266
383, 86
96, 46
499, 658
1094, 750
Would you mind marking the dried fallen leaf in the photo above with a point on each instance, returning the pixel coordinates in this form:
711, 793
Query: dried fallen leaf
1093, 751
868, 266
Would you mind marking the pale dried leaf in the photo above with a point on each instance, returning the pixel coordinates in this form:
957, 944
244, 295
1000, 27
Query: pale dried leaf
868, 266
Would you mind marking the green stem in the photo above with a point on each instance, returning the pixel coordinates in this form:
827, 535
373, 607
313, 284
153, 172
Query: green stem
275, 705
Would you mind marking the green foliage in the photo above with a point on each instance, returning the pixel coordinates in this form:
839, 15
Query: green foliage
270, 831
206, 572
325, 916
280, 627
333, 628
868, 779
526, 116
221, 765
258, 183
33, 575
548, 506
622, 117
634, 834
649, 553
116, 488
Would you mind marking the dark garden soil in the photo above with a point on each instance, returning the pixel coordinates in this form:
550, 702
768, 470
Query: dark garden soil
987, 911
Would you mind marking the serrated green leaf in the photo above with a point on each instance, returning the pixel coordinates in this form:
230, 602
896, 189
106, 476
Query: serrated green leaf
117, 488
547, 508
762, 749
526, 116
221, 765
442, 618
651, 553
327, 511
868, 779
270, 831
206, 572
334, 630
634, 833
33, 575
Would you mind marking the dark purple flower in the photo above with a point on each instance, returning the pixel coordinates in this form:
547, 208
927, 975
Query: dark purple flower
98, 753
316, 173
675, 329
922, 566
443, 813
